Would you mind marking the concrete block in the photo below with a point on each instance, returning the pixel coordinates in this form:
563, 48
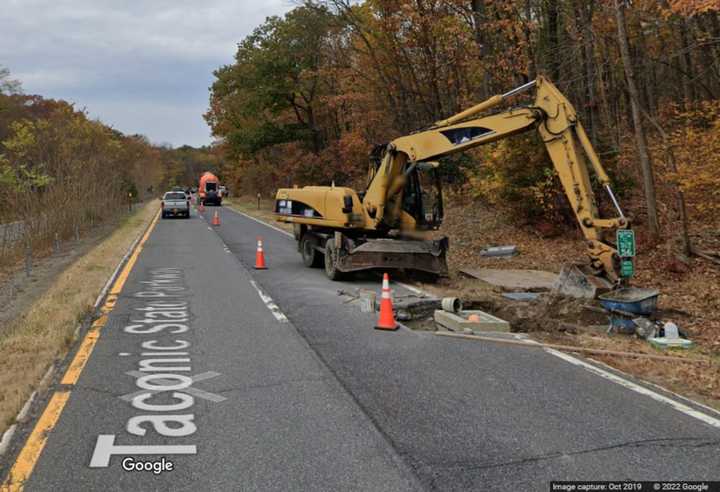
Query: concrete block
514, 279
459, 322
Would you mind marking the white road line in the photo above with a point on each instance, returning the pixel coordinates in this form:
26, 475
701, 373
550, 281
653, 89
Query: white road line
638, 389
566, 357
263, 223
710, 410
274, 309
414, 290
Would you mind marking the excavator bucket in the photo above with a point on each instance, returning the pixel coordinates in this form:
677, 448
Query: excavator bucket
576, 280
426, 256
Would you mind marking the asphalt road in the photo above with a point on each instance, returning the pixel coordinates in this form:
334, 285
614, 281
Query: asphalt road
311, 397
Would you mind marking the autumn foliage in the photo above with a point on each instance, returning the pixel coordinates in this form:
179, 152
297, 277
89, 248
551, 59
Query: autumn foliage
63, 174
311, 93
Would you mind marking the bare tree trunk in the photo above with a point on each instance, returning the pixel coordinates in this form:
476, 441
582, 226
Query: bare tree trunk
682, 208
587, 8
553, 40
532, 64
645, 160
688, 88
478, 10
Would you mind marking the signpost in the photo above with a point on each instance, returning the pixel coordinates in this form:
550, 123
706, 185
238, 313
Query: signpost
626, 250
627, 268
625, 243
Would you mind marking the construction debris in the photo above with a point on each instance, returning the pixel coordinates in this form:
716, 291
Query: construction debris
644, 328
514, 279
670, 339
625, 305
570, 348
460, 322
521, 296
415, 309
500, 251
451, 304
572, 282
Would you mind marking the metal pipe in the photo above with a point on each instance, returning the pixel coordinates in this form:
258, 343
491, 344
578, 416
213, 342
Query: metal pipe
522, 88
614, 200
483, 106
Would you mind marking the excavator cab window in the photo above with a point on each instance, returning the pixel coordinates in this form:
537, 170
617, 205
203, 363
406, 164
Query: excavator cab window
422, 196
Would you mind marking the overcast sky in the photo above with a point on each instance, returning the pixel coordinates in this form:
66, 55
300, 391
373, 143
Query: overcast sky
142, 66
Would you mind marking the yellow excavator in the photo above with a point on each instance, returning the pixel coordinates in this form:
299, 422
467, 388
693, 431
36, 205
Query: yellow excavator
385, 226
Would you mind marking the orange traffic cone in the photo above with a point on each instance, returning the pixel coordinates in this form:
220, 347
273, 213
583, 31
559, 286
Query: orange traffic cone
260, 256
216, 219
387, 320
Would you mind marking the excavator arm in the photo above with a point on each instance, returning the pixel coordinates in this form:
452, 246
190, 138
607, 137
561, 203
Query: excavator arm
555, 119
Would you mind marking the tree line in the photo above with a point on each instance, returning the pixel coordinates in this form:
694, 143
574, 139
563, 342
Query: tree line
63, 173
310, 93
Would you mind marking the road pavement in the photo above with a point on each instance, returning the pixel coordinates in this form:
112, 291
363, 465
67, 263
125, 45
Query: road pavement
292, 389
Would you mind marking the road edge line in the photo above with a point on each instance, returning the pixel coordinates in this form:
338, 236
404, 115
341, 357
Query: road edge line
637, 388
269, 303
288, 234
35, 442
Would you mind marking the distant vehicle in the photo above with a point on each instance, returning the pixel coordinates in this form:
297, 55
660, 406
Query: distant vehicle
209, 189
175, 203
181, 189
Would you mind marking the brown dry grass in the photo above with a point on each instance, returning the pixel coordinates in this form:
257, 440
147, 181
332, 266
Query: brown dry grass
44, 333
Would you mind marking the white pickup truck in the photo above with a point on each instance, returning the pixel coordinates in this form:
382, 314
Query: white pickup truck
175, 203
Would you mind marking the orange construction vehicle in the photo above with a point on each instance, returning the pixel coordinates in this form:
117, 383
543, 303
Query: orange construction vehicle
209, 189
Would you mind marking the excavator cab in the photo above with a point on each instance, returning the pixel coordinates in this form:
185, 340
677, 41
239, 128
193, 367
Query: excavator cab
422, 196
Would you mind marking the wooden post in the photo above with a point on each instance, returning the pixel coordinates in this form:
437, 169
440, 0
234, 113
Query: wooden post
28, 257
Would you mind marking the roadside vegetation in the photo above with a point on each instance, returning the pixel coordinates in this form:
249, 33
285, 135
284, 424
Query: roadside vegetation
42, 336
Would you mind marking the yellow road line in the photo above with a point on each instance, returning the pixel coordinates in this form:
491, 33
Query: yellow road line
30, 453
120, 281
36, 442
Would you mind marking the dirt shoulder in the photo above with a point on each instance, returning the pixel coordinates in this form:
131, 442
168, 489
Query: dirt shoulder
42, 316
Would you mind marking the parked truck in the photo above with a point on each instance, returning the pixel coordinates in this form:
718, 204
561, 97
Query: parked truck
209, 190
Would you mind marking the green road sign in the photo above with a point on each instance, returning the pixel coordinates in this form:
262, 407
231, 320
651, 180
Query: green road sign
626, 243
627, 268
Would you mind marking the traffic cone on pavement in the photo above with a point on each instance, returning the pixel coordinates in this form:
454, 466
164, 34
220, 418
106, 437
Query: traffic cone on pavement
260, 256
387, 319
216, 219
